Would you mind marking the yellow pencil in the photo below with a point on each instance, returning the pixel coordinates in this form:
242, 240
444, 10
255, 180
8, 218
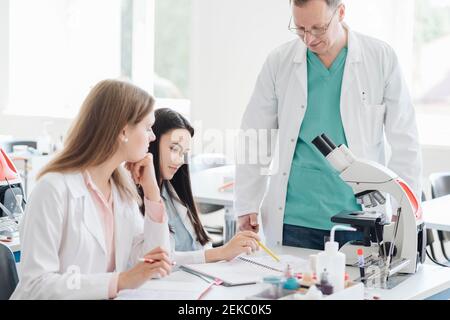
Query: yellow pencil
269, 252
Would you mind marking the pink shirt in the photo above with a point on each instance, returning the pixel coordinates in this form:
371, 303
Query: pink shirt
105, 210
154, 210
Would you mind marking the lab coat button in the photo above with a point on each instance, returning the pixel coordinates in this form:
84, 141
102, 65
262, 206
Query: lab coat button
292, 140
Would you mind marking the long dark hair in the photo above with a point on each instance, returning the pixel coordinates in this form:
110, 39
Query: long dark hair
166, 120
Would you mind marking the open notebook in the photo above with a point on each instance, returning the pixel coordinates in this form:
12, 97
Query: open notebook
246, 269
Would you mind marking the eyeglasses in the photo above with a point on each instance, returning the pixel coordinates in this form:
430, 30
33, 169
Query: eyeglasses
315, 31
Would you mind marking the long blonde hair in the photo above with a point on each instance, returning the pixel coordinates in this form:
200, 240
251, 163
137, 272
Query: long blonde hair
93, 137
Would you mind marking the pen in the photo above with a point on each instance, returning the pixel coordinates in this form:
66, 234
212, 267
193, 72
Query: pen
173, 263
361, 264
226, 185
269, 252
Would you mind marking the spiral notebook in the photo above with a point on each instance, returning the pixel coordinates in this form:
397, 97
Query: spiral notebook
245, 269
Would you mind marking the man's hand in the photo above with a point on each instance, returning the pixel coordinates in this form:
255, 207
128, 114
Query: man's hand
249, 222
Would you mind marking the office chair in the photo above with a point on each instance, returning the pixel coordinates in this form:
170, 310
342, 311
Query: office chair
440, 186
8, 273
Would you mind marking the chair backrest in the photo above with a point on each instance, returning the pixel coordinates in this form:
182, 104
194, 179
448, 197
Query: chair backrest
8, 273
423, 197
440, 184
430, 236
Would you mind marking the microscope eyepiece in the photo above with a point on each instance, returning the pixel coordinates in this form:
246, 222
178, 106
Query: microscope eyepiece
327, 140
324, 144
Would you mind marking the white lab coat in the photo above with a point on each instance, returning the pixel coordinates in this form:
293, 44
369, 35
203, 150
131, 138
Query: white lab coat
63, 243
184, 257
375, 108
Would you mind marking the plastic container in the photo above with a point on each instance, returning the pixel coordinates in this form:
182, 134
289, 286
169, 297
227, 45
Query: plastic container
333, 261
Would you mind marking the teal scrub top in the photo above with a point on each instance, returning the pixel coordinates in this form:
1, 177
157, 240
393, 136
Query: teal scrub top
315, 191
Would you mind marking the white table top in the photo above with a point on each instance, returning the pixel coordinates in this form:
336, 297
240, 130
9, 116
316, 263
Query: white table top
436, 213
428, 281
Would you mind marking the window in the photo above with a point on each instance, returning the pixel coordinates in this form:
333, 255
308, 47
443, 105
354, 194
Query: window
431, 70
432, 48
419, 32
58, 49
172, 48
173, 54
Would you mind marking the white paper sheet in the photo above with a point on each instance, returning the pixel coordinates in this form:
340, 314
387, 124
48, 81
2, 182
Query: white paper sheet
164, 290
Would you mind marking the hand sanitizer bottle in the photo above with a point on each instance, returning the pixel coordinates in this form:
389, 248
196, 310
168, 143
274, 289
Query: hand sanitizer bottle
333, 261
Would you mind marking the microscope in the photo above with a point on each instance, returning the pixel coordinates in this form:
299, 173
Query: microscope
398, 243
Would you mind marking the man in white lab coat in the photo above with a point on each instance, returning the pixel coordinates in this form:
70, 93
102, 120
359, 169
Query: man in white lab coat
331, 80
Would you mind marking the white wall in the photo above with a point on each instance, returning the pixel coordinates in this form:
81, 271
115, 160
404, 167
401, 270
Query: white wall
230, 41
390, 21
4, 52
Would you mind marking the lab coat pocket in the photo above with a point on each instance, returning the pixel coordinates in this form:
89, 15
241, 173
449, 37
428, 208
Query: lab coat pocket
372, 120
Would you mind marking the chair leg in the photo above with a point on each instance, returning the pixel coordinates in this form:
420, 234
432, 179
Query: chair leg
444, 252
442, 243
433, 254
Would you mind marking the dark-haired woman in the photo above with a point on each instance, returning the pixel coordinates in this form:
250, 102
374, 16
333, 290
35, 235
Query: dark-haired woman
189, 241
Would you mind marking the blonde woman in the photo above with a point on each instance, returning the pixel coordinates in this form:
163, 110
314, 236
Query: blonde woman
83, 236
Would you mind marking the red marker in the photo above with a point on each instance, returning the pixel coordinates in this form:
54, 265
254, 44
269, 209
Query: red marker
361, 264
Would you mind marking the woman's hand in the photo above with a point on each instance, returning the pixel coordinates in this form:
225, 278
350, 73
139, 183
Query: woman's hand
143, 173
242, 242
144, 271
